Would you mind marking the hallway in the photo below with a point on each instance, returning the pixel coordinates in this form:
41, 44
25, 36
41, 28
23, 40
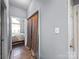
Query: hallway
20, 52
49, 28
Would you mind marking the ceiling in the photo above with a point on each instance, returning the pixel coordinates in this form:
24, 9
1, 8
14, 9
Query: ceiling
20, 3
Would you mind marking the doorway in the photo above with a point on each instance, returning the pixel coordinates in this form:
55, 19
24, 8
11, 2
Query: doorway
17, 36
19, 48
17, 32
33, 38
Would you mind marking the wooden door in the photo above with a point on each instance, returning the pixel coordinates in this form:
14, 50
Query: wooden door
34, 19
32, 42
29, 41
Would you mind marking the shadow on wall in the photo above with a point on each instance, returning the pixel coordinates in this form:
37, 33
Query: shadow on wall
76, 2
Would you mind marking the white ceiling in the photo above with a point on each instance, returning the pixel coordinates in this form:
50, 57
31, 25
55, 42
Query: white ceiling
20, 3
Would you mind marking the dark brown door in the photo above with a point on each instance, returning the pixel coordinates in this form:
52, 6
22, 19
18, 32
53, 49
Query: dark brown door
29, 41
33, 34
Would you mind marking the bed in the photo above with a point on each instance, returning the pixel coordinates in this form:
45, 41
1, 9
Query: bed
17, 39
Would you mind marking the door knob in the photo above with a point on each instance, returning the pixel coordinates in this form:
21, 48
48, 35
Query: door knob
72, 44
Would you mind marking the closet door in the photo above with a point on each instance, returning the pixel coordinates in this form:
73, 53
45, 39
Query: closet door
35, 34
29, 40
33, 40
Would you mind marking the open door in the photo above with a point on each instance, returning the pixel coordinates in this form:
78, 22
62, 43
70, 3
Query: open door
29, 31
33, 40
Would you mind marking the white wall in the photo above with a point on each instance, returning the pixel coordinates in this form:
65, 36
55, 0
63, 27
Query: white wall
53, 13
18, 12
70, 28
25, 23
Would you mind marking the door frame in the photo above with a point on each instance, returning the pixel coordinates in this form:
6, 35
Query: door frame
3, 8
76, 30
39, 17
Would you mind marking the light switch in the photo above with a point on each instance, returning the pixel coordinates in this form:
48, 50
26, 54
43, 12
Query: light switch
57, 30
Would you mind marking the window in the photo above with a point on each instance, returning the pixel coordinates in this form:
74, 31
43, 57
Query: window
15, 25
